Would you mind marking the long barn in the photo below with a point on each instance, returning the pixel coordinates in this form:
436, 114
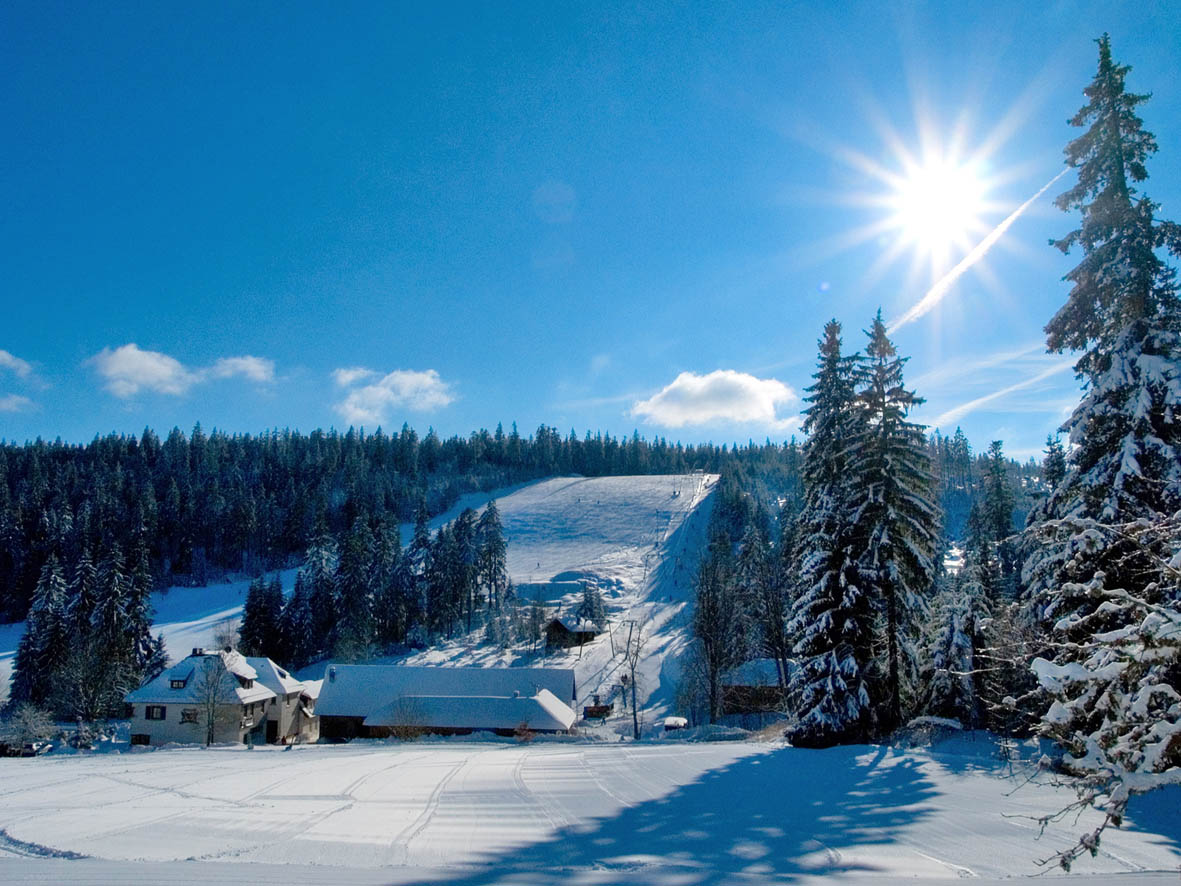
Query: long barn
376, 701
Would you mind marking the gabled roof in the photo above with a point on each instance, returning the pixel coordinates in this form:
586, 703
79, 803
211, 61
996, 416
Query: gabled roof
542, 711
577, 625
274, 677
191, 672
358, 690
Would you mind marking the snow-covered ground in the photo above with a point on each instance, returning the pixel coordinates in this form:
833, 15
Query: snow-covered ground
553, 813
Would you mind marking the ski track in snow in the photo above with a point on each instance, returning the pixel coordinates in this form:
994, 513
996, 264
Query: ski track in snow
482, 813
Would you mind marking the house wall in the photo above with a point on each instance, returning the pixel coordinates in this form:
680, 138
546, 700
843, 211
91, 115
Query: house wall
172, 730
284, 711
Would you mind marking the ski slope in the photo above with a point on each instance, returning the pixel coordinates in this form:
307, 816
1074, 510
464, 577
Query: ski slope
470, 812
638, 539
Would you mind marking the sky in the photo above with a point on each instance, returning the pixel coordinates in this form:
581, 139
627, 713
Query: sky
600, 216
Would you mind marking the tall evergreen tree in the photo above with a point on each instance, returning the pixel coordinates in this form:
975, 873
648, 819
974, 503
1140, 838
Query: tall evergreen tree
352, 636
493, 554
897, 522
1098, 570
831, 617
39, 652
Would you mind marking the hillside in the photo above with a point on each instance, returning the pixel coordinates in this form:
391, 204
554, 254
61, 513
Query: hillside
636, 537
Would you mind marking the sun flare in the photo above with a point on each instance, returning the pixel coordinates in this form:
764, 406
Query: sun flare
938, 205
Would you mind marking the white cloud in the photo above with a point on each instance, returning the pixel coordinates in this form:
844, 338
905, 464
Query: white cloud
257, 369
10, 361
350, 375
14, 403
372, 404
721, 396
129, 369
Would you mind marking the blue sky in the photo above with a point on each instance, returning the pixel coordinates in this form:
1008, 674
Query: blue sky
596, 216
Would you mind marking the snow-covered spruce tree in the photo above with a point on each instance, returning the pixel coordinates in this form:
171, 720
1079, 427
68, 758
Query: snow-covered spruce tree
951, 687
45, 641
831, 616
1123, 314
1089, 572
1116, 678
897, 523
319, 574
962, 671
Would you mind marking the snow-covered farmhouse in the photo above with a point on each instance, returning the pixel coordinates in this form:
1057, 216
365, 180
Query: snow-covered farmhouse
376, 701
223, 696
567, 631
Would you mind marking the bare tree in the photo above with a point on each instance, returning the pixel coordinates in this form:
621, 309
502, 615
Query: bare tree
637, 639
213, 691
225, 633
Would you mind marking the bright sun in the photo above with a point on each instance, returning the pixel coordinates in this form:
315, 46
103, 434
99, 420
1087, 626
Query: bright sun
938, 206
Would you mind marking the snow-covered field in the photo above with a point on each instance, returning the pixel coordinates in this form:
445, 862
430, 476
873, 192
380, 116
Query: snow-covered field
551, 813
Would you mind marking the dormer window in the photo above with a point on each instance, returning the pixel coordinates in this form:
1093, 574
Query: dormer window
246, 683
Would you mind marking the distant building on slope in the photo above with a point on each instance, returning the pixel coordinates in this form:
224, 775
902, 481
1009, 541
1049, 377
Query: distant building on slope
376, 701
223, 696
565, 632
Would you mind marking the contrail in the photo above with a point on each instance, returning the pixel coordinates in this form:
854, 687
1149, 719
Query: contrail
958, 412
937, 292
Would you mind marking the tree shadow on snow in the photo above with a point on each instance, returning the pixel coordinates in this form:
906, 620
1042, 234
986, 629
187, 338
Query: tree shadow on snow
765, 818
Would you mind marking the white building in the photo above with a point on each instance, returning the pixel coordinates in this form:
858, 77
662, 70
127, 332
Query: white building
224, 696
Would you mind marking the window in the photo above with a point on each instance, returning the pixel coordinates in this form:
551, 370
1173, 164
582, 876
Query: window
154, 712
141, 738
177, 684
188, 715
245, 683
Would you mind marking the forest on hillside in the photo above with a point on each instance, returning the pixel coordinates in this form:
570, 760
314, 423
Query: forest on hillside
204, 505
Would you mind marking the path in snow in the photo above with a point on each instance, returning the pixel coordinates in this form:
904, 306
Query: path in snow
484, 813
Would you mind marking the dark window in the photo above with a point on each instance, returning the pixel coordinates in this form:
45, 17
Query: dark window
154, 712
188, 715
140, 738
177, 684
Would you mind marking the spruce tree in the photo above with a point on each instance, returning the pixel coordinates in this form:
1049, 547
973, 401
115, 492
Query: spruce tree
1100, 570
493, 555
352, 638
295, 626
897, 524
1122, 313
44, 642
831, 618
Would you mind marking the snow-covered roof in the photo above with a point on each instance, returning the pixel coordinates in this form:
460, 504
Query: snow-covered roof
577, 625
275, 678
188, 674
542, 711
311, 688
358, 690
756, 672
